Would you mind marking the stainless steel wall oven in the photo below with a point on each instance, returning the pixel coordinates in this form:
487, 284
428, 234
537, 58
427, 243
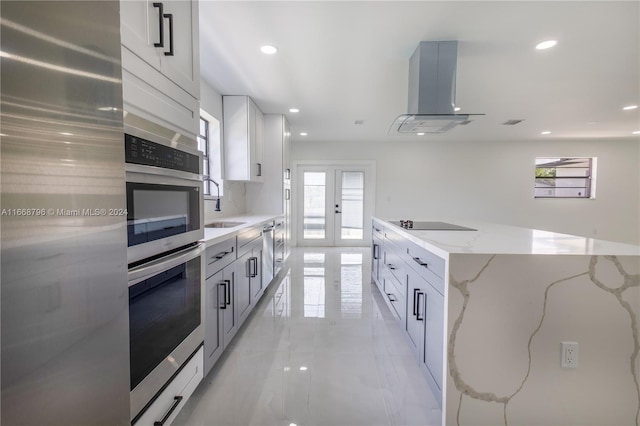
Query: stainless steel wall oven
164, 194
164, 225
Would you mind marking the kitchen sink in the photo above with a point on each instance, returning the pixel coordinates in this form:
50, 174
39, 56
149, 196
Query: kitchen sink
224, 224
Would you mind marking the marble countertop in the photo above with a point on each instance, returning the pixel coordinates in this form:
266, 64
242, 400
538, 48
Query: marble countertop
216, 235
491, 238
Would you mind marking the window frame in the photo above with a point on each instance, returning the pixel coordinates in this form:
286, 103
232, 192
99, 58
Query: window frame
565, 163
215, 153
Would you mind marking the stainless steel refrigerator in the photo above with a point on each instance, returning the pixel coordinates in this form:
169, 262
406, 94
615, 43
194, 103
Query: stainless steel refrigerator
64, 311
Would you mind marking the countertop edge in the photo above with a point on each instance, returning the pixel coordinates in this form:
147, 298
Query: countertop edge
215, 235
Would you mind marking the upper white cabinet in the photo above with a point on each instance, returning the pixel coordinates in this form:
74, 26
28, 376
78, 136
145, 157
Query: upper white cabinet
160, 60
243, 127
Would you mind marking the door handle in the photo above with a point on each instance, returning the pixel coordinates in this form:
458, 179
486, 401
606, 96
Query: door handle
160, 24
224, 297
170, 17
227, 291
418, 317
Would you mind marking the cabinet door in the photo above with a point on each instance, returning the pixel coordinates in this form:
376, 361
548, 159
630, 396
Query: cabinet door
256, 142
215, 304
182, 66
256, 275
415, 311
140, 28
243, 286
229, 313
434, 334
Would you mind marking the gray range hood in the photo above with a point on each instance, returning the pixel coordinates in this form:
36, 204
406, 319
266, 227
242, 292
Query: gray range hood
432, 90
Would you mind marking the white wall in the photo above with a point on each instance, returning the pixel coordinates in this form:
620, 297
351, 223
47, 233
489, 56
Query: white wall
233, 201
494, 182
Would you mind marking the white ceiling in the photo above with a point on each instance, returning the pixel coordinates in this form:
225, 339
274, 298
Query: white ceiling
343, 61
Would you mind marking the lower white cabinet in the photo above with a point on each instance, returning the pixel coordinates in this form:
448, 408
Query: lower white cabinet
411, 281
220, 316
169, 403
249, 279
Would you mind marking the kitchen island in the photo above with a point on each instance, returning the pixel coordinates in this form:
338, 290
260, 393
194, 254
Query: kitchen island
494, 304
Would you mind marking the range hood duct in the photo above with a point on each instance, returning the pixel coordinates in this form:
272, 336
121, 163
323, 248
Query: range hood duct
432, 90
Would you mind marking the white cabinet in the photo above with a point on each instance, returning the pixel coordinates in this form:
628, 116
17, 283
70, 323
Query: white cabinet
168, 404
274, 195
243, 130
411, 280
160, 61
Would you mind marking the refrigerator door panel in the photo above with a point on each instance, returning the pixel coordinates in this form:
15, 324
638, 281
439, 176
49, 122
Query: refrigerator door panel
64, 295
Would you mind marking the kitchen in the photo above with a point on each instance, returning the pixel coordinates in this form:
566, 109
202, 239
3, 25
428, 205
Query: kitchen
576, 90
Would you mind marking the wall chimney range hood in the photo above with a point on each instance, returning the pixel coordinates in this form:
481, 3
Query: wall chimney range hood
432, 90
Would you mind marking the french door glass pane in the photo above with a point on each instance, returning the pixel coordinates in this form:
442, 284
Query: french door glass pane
314, 218
352, 206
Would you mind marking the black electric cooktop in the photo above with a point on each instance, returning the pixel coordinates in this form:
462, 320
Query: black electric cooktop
430, 226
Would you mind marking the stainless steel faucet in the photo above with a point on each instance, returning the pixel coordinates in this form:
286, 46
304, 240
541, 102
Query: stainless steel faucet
207, 178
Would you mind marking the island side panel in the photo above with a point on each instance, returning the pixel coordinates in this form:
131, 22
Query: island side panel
507, 317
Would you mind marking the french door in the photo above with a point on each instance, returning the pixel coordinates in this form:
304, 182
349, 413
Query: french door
334, 205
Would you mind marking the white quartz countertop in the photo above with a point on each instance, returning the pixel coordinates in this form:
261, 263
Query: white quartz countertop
216, 235
491, 238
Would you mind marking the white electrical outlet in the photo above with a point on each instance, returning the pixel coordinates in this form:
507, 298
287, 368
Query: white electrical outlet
569, 355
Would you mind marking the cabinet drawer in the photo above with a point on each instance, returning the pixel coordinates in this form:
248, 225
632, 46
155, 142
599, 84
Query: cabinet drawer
246, 238
377, 230
394, 261
394, 291
169, 403
427, 264
220, 255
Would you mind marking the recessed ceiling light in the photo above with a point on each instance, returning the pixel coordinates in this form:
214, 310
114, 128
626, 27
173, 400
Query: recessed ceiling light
546, 44
303, 134
591, 123
420, 134
456, 109
268, 49
294, 110
637, 132
66, 134
629, 107
546, 132
303, 368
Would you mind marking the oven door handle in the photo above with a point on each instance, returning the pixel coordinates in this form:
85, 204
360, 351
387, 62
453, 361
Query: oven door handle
142, 272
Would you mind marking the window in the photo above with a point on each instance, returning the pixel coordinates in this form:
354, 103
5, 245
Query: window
565, 177
209, 144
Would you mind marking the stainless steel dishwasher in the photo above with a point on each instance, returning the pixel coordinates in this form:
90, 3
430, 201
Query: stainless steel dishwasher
267, 254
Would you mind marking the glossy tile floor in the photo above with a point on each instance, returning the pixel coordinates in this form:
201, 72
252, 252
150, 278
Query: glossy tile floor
321, 348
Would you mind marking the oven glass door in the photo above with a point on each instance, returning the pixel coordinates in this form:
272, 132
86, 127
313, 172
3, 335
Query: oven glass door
163, 310
157, 211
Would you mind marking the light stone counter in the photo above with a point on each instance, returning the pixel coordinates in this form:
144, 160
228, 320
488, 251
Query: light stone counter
512, 295
216, 235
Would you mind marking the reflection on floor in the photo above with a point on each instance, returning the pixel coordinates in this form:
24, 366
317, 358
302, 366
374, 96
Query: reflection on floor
321, 348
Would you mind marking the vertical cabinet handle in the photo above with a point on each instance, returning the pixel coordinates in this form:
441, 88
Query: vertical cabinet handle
376, 254
418, 317
227, 292
170, 17
160, 24
224, 297
253, 267
176, 402
415, 302
287, 173
259, 169
287, 194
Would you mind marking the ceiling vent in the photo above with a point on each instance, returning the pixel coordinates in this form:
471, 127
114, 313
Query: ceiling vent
512, 122
432, 90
